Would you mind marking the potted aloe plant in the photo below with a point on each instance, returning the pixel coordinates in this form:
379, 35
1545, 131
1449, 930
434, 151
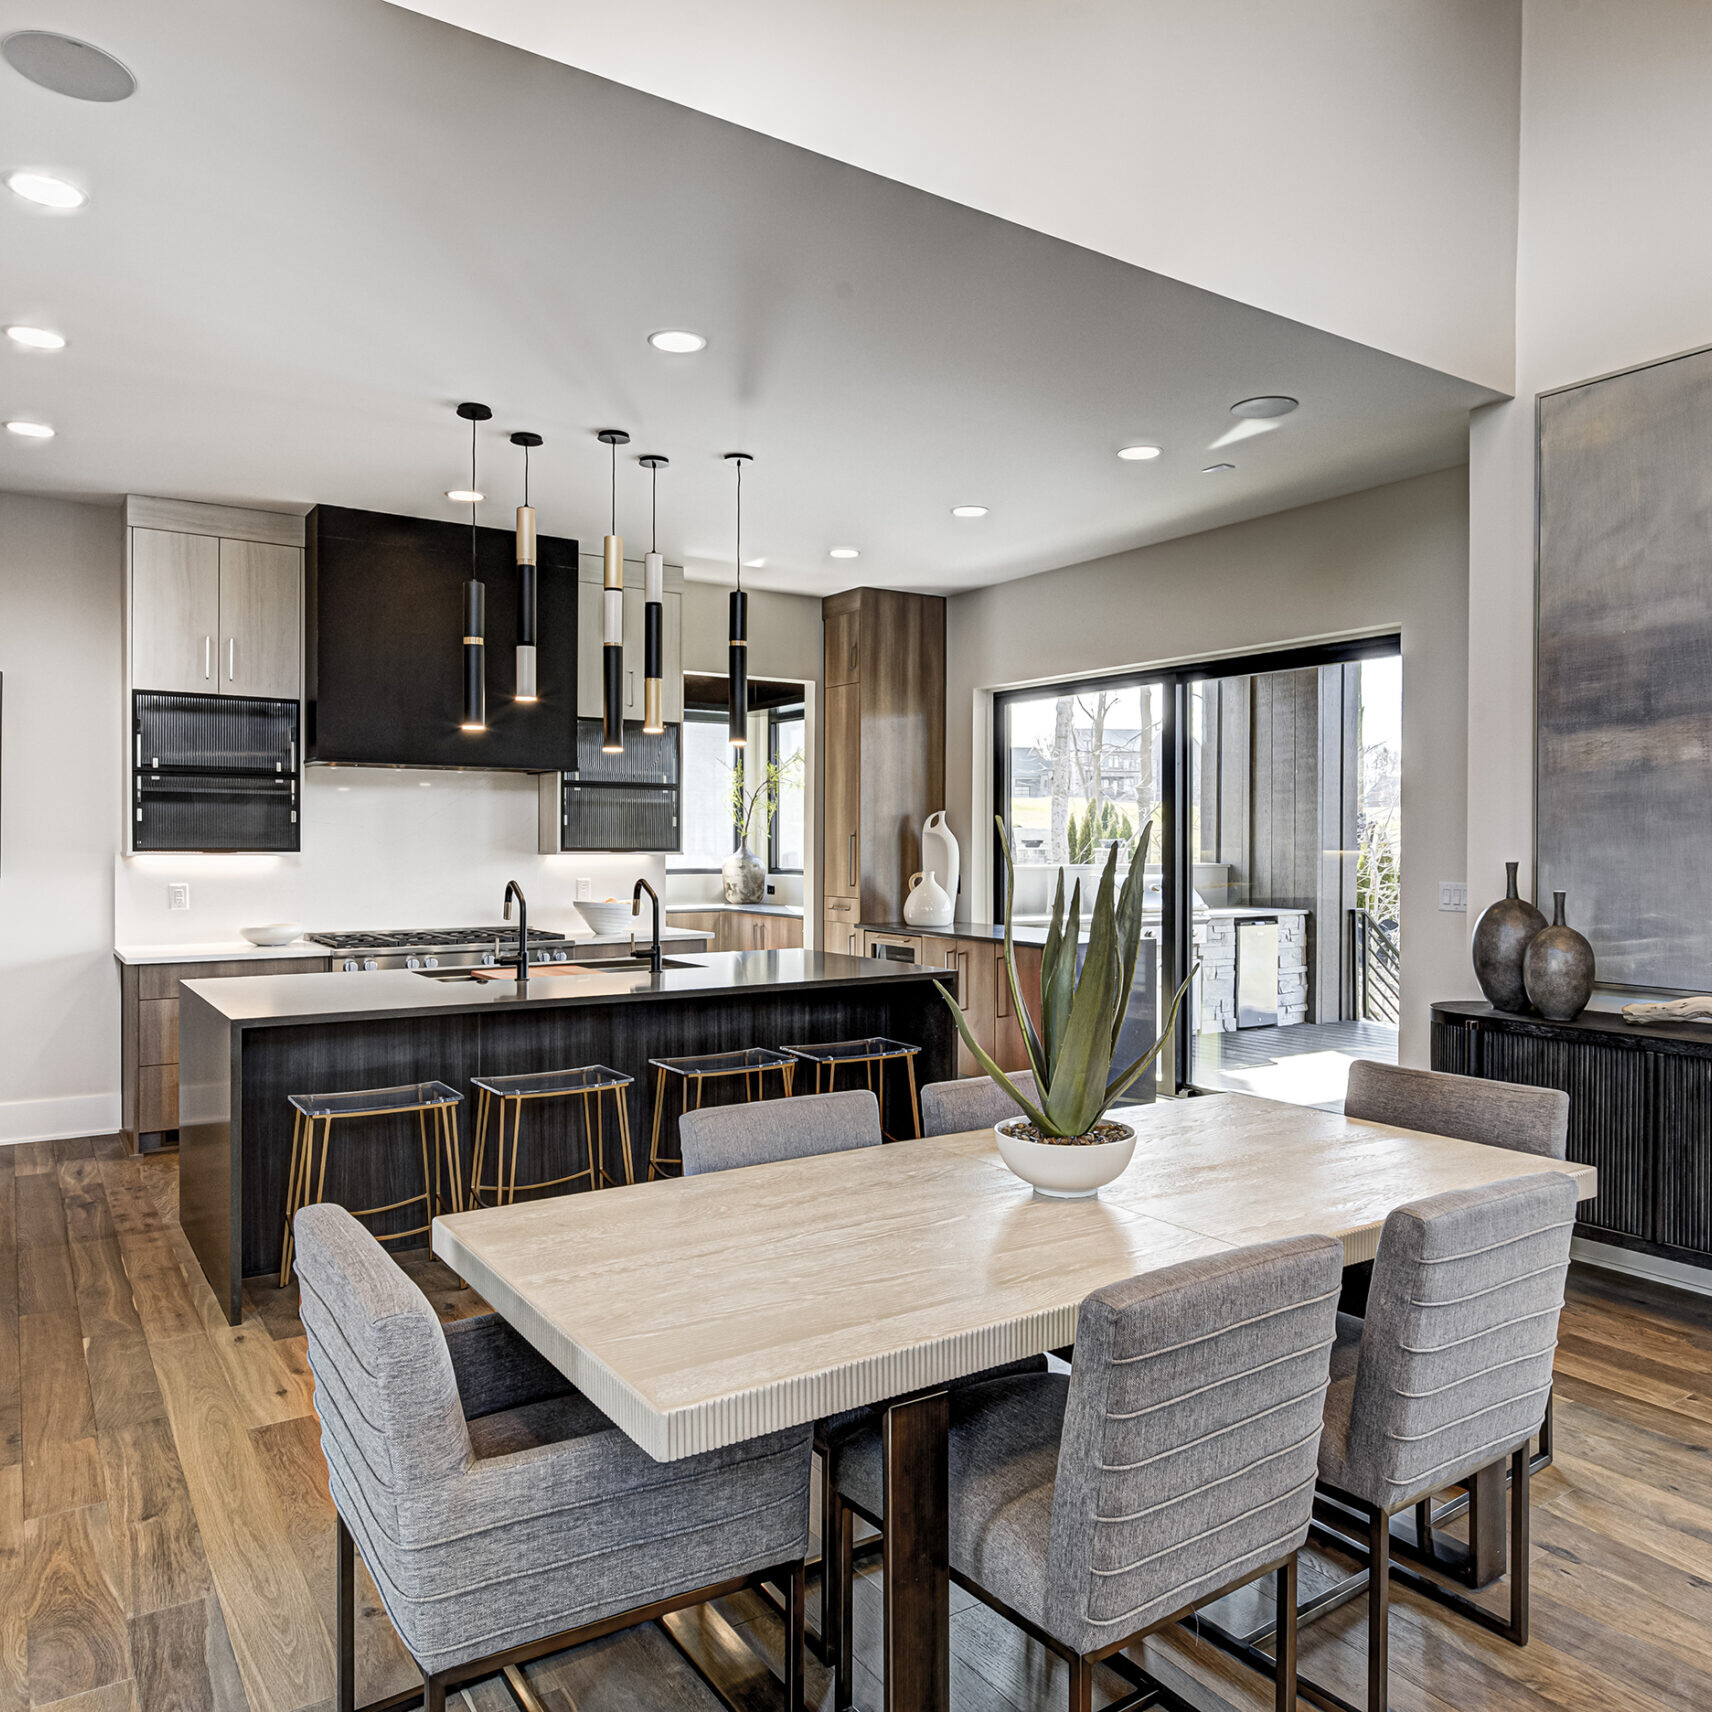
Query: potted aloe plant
1063, 1143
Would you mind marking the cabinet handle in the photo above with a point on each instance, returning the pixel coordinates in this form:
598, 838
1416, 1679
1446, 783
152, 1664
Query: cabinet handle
962, 958
208, 656
852, 879
1003, 1007
852, 656
231, 658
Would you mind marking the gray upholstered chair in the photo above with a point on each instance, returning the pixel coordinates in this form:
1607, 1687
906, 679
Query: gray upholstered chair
1174, 1463
1497, 1114
970, 1102
721, 1138
1447, 1375
500, 1513
1494, 1114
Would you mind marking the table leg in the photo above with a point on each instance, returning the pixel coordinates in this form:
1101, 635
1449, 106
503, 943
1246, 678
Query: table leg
1486, 1524
917, 1555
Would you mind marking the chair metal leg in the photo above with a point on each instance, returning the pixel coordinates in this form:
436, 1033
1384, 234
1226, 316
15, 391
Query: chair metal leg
434, 1698
346, 1624
1081, 1685
1521, 1471
841, 1554
796, 1594
1284, 1684
1378, 1610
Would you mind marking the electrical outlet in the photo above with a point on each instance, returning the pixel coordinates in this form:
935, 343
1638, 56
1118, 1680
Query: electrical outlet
1453, 896
178, 895
585, 891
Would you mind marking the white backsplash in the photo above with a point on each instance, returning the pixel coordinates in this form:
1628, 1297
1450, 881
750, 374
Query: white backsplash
382, 848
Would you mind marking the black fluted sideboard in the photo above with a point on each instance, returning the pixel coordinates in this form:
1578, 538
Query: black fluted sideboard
1640, 1110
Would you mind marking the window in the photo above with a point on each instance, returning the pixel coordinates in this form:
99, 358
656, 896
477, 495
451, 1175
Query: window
709, 831
785, 746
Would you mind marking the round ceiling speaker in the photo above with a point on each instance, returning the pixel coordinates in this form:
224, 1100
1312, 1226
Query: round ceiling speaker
67, 66
1269, 405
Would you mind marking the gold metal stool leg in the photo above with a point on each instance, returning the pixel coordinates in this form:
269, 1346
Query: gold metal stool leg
484, 1102
622, 1094
654, 1139
291, 1194
915, 1098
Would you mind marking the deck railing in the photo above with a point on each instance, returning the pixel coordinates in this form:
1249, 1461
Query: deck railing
1376, 970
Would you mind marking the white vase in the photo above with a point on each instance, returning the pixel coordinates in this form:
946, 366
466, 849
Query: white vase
928, 904
1065, 1173
745, 876
940, 855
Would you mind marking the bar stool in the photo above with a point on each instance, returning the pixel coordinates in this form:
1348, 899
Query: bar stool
591, 1081
418, 1097
873, 1054
752, 1063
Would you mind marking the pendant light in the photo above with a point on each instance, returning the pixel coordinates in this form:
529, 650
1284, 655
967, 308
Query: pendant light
612, 629
475, 599
653, 611
526, 683
737, 713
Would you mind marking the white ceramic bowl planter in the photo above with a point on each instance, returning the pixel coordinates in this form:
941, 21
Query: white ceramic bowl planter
1065, 1172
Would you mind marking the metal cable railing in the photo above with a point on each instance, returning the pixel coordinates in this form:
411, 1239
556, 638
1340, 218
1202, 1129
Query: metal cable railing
1376, 970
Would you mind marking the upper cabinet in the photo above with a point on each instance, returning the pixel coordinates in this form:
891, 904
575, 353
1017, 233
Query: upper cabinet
214, 599
591, 633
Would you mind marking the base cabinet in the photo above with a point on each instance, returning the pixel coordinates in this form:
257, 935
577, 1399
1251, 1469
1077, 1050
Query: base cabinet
743, 930
1640, 1112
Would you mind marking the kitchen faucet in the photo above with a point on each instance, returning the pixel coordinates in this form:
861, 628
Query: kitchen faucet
513, 890
635, 898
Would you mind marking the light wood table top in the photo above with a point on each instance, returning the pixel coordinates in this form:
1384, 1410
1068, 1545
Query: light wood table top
700, 1311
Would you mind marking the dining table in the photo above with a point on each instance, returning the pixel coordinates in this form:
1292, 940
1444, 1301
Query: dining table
698, 1312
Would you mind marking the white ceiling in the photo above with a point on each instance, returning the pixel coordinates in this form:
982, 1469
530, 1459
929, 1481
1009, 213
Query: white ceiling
320, 223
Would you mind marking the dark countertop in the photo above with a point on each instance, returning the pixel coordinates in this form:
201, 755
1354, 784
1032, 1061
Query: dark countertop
792, 910
267, 1000
1027, 933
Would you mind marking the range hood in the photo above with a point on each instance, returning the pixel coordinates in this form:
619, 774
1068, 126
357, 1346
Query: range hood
383, 623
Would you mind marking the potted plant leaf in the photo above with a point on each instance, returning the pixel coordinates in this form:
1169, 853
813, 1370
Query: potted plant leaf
1062, 1142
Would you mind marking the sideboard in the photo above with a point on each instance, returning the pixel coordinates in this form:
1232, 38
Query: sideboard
1640, 1110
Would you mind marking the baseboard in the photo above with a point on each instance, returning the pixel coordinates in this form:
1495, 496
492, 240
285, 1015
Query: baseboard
1654, 1266
63, 1119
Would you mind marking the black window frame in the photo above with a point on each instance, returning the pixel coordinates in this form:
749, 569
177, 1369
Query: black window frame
1177, 923
777, 716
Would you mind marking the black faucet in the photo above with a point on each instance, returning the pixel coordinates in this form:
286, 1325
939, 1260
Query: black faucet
513, 890
636, 898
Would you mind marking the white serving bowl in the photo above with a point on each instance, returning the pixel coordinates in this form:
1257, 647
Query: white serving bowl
608, 917
275, 933
1065, 1173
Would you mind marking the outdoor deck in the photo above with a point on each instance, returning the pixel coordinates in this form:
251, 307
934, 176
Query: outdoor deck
1307, 1063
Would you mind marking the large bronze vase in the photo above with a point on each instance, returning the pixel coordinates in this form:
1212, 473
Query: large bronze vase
1501, 939
1558, 969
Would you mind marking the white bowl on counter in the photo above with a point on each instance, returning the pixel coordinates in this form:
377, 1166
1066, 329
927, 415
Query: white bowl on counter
609, 917
275, 933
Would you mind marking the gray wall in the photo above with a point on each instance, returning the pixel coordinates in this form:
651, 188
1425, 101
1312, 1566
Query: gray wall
1390, 558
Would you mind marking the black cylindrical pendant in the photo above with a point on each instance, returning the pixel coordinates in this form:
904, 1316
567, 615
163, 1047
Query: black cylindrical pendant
475, 656
526, 606
612, 700
737, 722
653, 640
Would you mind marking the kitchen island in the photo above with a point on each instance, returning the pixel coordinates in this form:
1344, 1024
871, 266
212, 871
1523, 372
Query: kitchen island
247, 1043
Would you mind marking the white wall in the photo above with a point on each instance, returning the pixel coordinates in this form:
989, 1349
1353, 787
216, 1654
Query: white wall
1391, 558
1347, 164
1614, 268
59, 813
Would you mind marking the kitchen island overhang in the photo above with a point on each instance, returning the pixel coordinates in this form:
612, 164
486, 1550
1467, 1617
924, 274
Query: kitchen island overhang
247, 1043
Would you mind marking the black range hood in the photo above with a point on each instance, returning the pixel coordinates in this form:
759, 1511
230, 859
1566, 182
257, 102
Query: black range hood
383, 628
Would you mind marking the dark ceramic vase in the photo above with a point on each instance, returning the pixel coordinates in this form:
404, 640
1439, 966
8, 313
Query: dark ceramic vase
1501, 938
1558, 970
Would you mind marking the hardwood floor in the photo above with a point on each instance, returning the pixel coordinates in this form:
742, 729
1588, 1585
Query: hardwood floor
166, 1538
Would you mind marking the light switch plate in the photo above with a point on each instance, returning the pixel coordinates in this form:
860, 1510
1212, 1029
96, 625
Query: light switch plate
585, 891
178, 895
1453, 896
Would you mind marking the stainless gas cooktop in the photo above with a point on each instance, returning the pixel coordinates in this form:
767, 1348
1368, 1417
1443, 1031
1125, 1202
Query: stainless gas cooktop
439, 947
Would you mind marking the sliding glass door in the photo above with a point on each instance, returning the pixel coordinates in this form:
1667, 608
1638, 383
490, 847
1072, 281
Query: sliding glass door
1270, 786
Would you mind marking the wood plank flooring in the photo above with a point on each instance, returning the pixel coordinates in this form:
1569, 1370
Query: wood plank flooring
166, 1535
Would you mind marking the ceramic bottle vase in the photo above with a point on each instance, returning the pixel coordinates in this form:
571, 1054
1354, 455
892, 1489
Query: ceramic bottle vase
1558, 970
744, 876
1501, 938
927, 904
940, 855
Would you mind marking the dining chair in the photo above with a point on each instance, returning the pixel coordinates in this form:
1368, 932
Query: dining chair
1495, 1114
970, 1102
726, 1138
501, 1515
1172, 1465
1446, 1376
723, 1138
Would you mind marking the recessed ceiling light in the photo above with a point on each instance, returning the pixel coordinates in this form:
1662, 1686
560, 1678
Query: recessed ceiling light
31, 430
968, 511
679, 341
1217, 469
46, 190
1269, 404
464, 496
36, 338
1137, 454
844, 553
67, 66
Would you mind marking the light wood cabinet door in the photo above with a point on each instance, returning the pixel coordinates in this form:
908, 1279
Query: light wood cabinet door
261, 617
976, 995
843, 775
1009, 1051
175, 611
841, 935
843, 647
